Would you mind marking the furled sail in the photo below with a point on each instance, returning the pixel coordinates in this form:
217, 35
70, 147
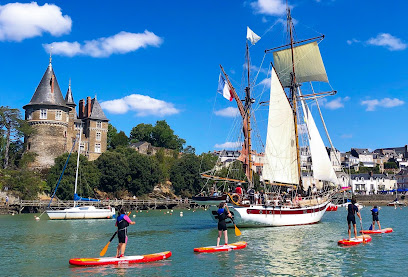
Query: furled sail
280, 150
308, 63
322, 167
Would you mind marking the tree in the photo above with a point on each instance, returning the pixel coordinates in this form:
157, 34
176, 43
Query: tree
185, 177
390, 165
24, 183
119, 139
144, 173
142, 132
13, 127
114, 169
189, 150
88, 177
112, 131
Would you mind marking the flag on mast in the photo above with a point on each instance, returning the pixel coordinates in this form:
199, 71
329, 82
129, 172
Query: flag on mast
252, 37
224, 88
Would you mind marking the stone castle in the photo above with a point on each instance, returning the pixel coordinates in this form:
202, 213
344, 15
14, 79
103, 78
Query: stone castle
56, 123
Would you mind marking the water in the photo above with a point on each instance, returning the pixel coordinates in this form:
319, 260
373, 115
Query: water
43, 248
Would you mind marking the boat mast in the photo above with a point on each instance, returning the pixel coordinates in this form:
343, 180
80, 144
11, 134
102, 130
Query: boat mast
248, 102
77, 166
293, 89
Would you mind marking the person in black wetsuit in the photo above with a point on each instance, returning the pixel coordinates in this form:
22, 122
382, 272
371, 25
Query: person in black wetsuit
122, 222
351, 218
222, 225
374, 212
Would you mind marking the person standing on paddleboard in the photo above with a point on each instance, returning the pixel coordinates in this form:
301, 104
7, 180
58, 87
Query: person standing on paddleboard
351, 218
222, 225
374, 212
122, 222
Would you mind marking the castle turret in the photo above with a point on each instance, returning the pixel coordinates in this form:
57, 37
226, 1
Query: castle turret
48, 114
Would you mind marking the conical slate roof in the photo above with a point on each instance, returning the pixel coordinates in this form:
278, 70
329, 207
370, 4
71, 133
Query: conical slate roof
97, 112
69, 99
45, 94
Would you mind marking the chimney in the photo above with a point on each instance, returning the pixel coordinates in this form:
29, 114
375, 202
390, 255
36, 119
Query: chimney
81, 108
88, 106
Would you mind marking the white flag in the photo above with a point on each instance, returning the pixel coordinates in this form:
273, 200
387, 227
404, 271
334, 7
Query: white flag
252, 37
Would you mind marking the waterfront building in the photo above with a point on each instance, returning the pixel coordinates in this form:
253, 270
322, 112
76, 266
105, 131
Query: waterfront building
56, 123
369, 183
349, 161
305, 159
335, 158
402, 179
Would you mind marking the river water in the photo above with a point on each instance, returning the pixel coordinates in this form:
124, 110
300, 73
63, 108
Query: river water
43, 248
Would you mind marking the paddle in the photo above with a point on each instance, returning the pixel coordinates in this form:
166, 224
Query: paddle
237, 231
103, 252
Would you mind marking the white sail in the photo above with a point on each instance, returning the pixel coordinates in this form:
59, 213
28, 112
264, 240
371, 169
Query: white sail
322, 166
308, 63
280, 150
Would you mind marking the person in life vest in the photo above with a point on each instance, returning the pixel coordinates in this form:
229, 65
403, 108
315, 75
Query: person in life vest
351, 218
122, 222
238, 189
222, 225
374, 212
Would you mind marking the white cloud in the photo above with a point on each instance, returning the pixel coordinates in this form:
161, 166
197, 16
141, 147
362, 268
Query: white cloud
269, 7
229, 144
19, 21
143, 105
385, 103
346, 136
388, 41
302, 129
120, 43
228, 112
351, 41
266, 82
336, 103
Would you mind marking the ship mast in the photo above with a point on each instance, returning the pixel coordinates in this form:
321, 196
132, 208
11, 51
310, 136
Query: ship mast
248, 102
293, 89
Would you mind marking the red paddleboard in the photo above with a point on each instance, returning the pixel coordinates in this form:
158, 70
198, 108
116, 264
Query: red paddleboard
354, 241
123, 260
382, 231
228, 247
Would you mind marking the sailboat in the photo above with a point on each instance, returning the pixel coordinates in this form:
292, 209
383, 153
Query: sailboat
77, 211
286, 202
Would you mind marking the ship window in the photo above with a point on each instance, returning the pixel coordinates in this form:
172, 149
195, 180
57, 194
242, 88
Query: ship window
98, 136
43, 114
98, 148
99, 124
58, 115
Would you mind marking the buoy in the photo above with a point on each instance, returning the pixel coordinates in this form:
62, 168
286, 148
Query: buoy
167, 211
37, 218
171, 210
134, 215
12, 214
181, 214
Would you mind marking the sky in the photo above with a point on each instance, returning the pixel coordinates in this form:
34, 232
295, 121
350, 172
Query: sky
159, 60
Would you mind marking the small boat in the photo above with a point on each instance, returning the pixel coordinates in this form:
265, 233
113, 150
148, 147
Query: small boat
354, 241
382, 231
395, 203
123, 260
228, 247
209, 200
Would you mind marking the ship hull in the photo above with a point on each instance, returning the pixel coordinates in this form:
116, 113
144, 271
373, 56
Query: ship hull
84, 212
274, 216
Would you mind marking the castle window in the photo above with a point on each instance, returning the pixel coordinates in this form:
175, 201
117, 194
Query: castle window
29, 115
65, 134
58, 115
67, 117
43, 114
97, 147
99, 124
82, 147
98, 136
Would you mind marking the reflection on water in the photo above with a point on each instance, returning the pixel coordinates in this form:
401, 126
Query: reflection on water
43, 248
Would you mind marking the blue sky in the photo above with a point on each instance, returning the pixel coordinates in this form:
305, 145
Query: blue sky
154, 60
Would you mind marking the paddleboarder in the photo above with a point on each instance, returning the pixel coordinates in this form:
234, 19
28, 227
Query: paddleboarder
222, 225
351, 218
122, 222
374, 211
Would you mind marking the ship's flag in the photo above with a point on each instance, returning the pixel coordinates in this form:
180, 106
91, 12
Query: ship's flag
224, 88
252, 37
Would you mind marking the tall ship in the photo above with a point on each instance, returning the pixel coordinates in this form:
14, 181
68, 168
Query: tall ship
276, 190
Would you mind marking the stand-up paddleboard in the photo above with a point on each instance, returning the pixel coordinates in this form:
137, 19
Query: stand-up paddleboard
123, 260
382, 231
354, 241
228, 247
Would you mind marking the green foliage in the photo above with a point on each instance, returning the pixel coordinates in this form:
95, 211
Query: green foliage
161, 135
144, 173
390, 165
184, 175
114, 170
88, 177
119, 139
24, 183
112, 131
